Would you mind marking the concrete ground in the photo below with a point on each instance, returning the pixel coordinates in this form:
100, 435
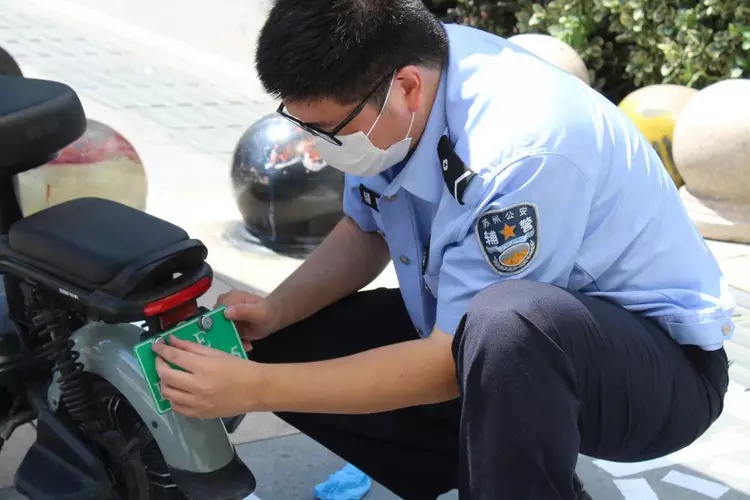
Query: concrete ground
183, 96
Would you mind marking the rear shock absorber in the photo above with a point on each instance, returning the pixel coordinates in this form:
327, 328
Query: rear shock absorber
75, 393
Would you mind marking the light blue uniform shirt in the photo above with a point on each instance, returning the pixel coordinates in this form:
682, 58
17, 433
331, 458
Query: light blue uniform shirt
567, 191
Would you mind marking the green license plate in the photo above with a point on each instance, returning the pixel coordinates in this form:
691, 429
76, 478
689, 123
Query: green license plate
211, 329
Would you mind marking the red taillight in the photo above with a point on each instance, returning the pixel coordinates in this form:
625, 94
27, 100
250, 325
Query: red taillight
176, 299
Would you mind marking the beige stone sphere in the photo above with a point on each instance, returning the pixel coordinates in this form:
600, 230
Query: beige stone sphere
711, 145
555, 52
712, 153
102, 163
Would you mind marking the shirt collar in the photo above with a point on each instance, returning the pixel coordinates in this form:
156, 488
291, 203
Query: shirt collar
421, 175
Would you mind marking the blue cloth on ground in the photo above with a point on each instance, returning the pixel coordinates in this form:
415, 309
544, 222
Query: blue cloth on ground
349, 483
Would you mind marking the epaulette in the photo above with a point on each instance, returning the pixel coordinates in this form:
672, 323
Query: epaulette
455, 172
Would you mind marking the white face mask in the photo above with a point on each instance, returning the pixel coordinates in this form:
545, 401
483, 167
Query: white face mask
358, 156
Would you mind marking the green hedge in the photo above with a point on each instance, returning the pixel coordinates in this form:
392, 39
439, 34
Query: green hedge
628, 44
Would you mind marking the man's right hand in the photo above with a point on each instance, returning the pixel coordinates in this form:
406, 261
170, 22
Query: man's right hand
255, 317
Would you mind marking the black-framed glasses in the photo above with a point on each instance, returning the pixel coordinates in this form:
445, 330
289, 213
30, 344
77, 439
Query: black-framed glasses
331, 136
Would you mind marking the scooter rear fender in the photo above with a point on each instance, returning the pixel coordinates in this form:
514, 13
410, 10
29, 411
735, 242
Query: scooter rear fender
192, 448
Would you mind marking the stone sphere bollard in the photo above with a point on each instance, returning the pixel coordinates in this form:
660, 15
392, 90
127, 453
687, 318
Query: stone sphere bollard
8, 65
654, 110
555, 52
289, 198
712, 152
102, 163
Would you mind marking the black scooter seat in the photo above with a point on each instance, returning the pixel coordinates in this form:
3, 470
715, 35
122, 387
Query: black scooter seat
38, 118
101, 244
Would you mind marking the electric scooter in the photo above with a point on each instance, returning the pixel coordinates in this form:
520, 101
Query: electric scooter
84, 281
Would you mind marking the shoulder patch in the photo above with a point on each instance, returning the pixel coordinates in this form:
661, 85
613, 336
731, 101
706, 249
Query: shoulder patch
509, 238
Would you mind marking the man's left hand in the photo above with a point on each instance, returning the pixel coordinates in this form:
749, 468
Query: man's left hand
214, 383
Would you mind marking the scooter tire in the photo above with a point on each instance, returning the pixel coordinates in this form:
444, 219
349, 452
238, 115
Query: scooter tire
146, 462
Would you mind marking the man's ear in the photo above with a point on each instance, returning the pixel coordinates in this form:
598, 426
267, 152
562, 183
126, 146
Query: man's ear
409, 78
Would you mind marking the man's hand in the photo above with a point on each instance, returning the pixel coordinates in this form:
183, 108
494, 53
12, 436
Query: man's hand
254, 316
214, 383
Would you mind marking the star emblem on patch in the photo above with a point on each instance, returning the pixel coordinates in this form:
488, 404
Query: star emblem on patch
509, 237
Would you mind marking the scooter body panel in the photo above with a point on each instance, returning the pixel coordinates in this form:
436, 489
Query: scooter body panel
187, 444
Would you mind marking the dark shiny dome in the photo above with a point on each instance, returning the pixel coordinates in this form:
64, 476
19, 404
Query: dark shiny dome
288, 197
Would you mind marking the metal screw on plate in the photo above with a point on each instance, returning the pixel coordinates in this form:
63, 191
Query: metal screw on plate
205, 323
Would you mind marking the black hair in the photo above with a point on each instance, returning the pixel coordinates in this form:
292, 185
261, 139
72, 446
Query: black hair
310, 50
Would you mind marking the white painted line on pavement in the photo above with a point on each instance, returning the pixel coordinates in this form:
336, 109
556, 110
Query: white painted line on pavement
697, 484
636, 489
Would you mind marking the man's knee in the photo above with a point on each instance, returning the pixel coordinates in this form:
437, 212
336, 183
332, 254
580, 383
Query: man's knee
518, 323
510, 310
515, 295
506, 348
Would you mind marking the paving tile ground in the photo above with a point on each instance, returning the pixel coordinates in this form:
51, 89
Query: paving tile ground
184, 122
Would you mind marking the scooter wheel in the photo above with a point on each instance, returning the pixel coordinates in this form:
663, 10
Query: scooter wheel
136, 466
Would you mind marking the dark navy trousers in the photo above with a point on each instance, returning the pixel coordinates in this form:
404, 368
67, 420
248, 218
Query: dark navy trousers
545, 374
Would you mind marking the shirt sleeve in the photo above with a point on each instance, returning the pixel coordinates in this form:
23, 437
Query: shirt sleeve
355, 209
529, 222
